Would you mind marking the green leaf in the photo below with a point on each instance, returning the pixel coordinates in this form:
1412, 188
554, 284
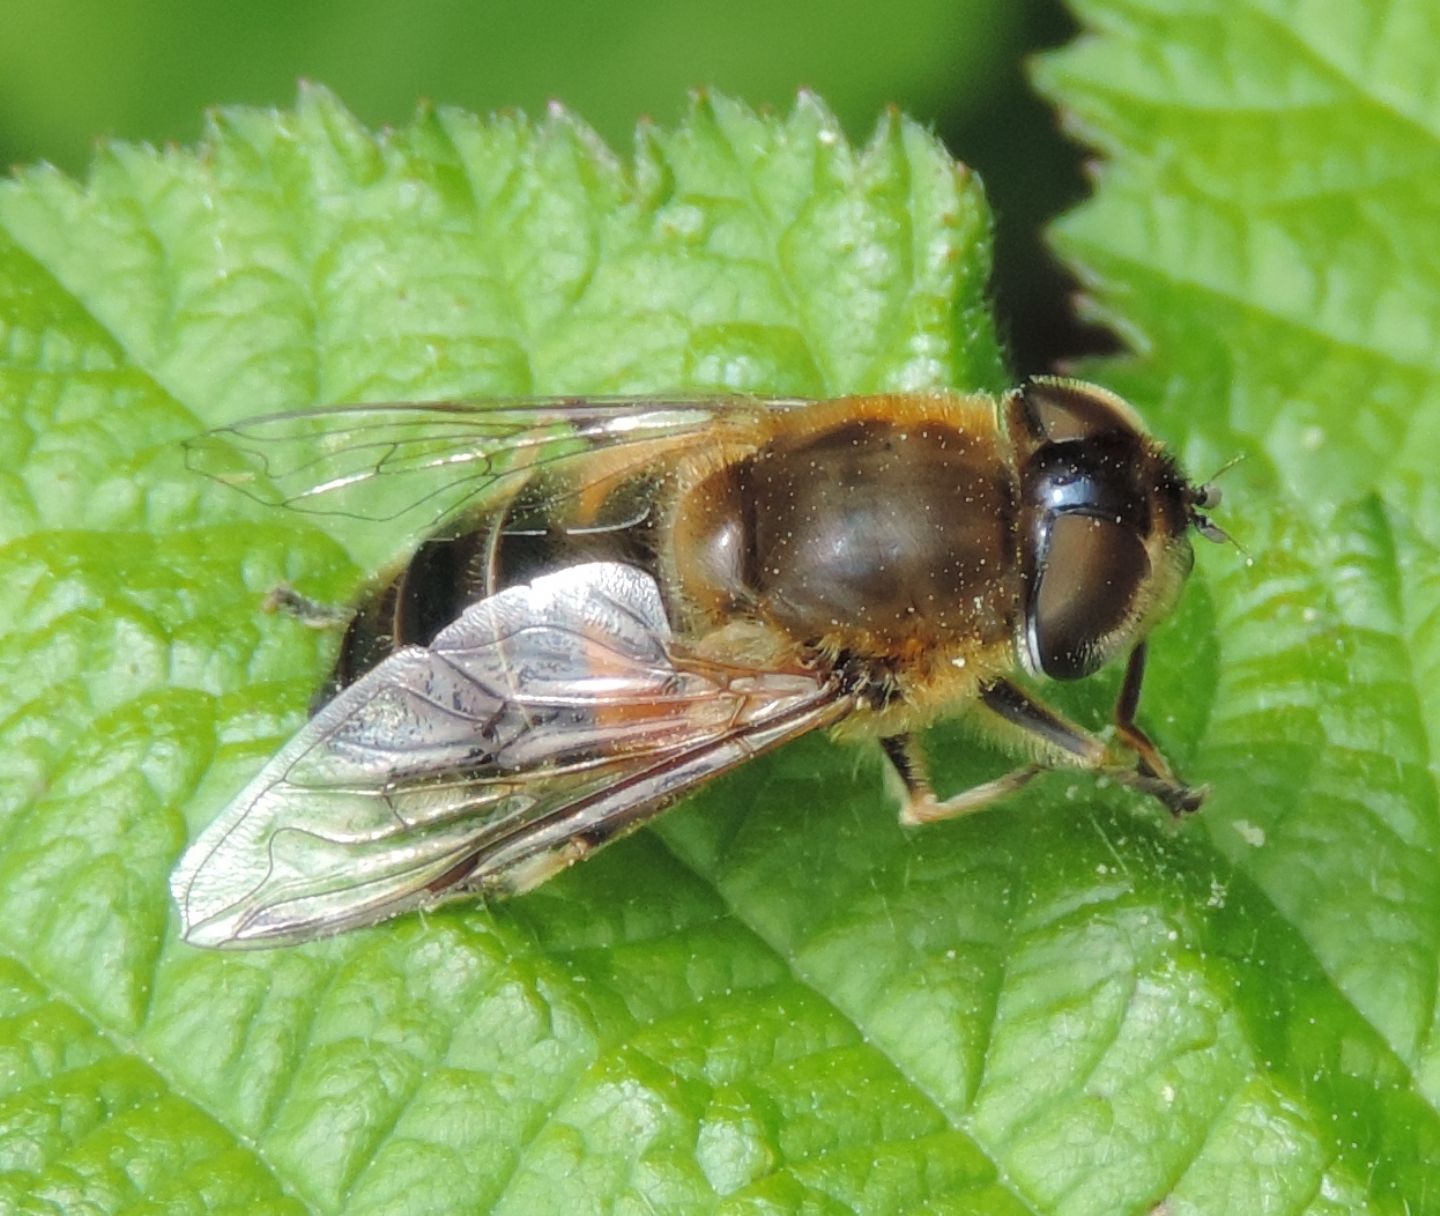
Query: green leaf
624, 1039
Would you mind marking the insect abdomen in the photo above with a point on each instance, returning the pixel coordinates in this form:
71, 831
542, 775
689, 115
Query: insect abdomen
515, 543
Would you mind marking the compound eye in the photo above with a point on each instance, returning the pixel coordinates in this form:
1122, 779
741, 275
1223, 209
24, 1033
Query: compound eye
1089, 577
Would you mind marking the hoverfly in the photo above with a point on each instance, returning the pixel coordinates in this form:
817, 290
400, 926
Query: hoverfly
618, 600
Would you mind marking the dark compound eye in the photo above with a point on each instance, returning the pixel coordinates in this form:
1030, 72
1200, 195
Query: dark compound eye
1089, 574
1099, 477
1098, 496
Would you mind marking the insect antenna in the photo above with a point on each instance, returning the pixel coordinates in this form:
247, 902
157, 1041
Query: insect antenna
1206, 497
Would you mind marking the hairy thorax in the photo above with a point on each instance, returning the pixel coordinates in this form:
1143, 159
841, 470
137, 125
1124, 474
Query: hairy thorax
888, 540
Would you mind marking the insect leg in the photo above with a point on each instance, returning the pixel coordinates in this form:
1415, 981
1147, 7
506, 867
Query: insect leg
919, 802
284, 598
1070, 744
1151, 761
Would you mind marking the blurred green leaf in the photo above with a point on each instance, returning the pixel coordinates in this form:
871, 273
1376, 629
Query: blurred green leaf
72, 70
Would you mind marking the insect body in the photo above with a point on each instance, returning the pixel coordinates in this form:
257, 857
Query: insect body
622, 599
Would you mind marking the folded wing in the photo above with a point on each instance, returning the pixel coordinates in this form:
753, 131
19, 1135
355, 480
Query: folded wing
546, 721
427, 464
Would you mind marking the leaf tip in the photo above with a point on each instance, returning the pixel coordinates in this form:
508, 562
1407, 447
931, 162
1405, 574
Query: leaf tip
811, 107
891, 127
702, 105
315, 100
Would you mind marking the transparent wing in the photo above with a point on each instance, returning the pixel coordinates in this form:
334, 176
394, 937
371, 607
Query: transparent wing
428, 463
544, 722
